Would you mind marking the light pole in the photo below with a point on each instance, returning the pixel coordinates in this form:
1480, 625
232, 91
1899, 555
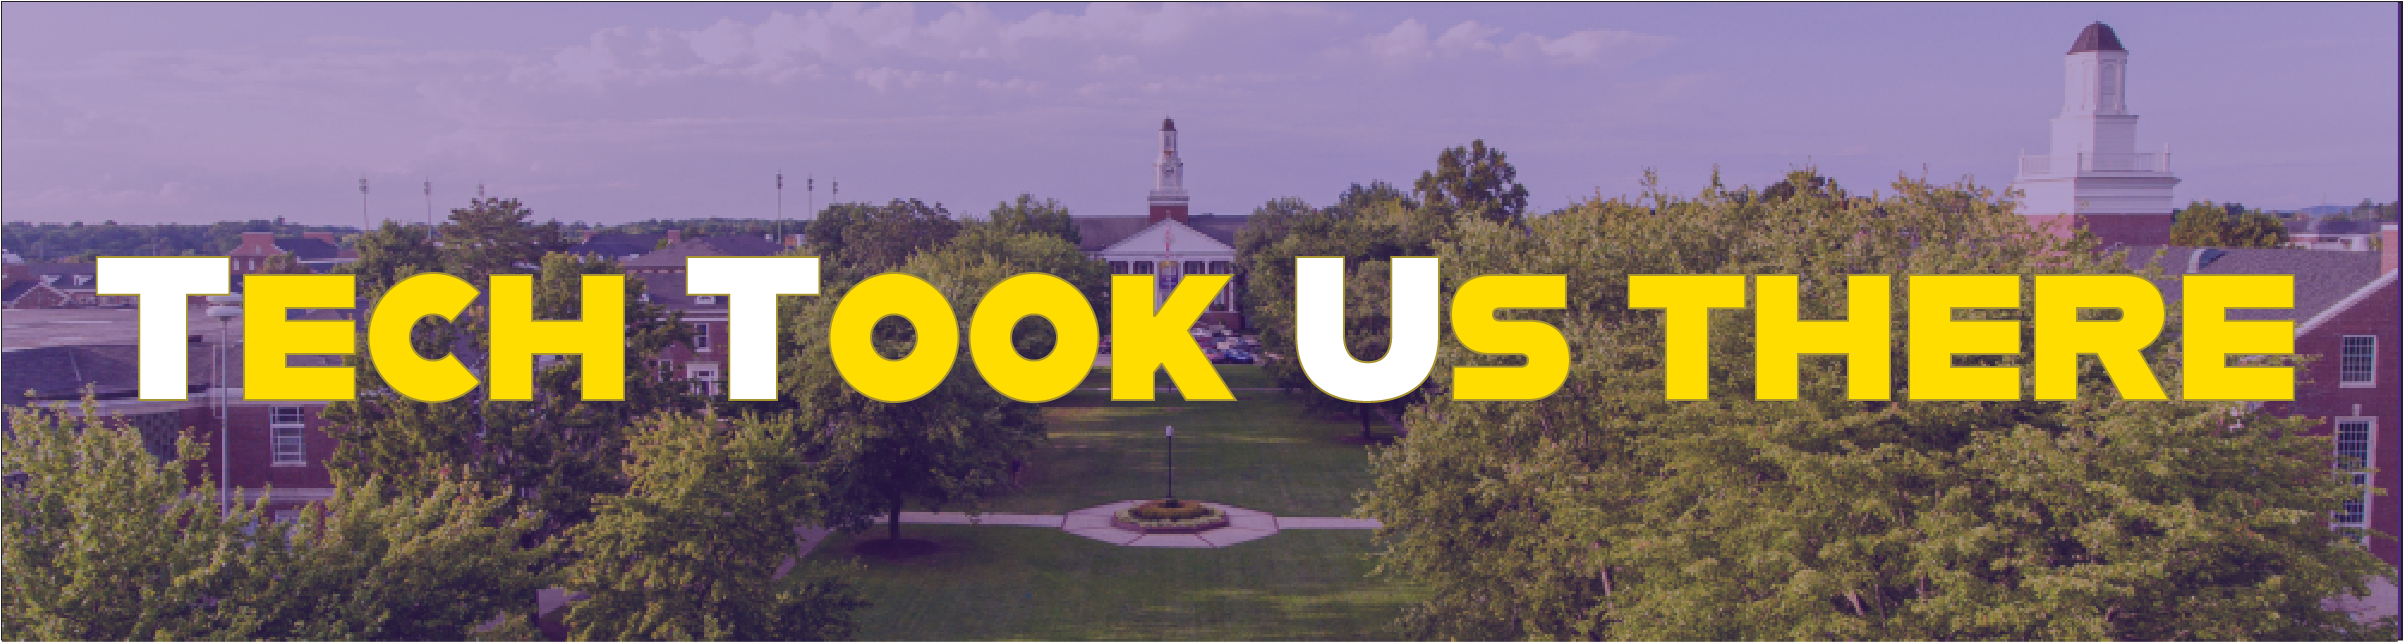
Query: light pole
362, 206
224, 309
1172, 435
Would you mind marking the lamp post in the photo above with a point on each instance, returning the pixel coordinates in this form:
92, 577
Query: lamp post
1172, 435
224, 309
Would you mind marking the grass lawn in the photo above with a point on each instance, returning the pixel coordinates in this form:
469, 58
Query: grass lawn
987, 582
992, 582
1236, 376
1257, 453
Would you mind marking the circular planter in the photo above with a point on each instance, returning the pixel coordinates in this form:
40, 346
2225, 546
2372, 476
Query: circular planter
1210, 517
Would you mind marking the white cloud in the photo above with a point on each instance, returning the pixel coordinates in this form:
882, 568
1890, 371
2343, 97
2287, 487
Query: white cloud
1406, 42
1409, 41
1467, 36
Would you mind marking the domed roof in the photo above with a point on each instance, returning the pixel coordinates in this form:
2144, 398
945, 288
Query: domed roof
2097, 37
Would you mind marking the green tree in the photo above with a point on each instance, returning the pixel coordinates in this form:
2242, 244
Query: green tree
1606, 511
105, 542
693, 550
962, 439
1041, 217
553, 453
855, 241
1369, 227
1474, 181
2209, 225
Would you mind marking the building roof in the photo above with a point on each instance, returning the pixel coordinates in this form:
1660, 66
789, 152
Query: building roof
1097, 233
18, 289
1168, 124
2096, 37
616, 245
675, 253
2332, 226
667, 291
2322, 278
61, 269
307, 249
61, 373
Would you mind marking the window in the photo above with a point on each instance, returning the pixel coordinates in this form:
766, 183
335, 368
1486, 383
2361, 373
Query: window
1141, 267
2357, 362
2354, 454
704, 380
1196, 267
701, 337
284, 436
705, 300
1118, 267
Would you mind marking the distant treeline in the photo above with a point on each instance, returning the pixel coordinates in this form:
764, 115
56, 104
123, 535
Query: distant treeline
80, 242
697, 227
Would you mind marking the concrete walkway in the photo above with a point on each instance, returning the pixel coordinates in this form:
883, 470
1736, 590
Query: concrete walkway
1243, 525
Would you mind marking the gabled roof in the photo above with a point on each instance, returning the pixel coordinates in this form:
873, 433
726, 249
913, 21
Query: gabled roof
2322, 278
1171, 235
18, 289
2096, 37
674, 254
1098, 233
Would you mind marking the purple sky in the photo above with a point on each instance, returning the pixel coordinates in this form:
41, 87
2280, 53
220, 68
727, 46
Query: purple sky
608, 113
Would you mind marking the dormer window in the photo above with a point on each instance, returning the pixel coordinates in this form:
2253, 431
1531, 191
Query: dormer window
705, 300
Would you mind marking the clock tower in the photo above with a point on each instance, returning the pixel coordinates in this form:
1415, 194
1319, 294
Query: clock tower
1168, 178
2095, 178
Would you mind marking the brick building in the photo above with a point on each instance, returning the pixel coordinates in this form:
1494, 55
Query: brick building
703, 360
1168, 242
2347, 320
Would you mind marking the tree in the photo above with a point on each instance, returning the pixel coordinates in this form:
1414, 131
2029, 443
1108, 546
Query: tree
2209, 225
862, 240
1041, 217
552, 454
692, 550
1369, 227
1606, 511
1802, 181
958, 441
104, 542
1474, 181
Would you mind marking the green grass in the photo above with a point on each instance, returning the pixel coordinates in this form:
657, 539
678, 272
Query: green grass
988, 582
991, 582
1236, 376
1257, 453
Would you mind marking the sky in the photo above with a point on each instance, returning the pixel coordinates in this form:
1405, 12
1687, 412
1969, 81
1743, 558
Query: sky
609, 113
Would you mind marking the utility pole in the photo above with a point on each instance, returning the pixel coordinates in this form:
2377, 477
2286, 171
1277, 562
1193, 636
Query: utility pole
780, 208
429, 209
363, 206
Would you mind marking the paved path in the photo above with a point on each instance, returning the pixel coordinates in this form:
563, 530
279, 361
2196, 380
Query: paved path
1243, 525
